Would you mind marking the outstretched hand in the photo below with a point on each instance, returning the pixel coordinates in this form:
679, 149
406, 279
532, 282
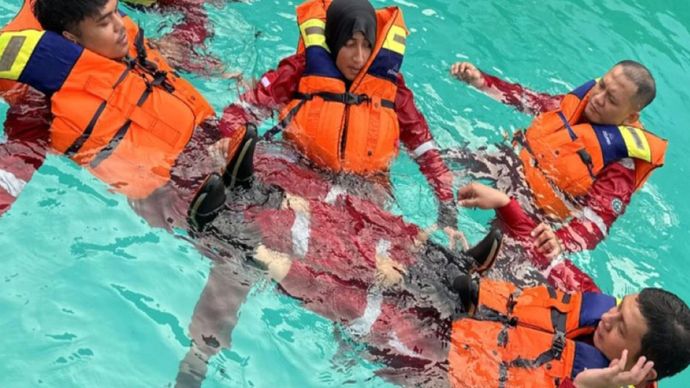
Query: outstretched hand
615, 375
468, 73
481, 196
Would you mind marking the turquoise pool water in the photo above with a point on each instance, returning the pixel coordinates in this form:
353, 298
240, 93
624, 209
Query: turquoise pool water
92, 296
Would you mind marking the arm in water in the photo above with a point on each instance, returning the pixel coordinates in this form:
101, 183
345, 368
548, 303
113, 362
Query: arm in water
613, 187
563, 274
416, 136
26, 128
516, 95
607, 200
274, 89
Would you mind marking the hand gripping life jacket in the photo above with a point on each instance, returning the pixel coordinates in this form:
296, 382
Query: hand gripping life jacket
562, 156
525, 338
353, 130
125, 121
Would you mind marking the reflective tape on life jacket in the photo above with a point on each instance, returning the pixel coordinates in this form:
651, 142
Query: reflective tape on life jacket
127, 121
562, 156
355, 129
520, 337
10, 90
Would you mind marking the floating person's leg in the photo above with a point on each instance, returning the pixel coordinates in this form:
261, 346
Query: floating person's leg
240, 169
207, 202
485, 252
468, 291
215, 315
210, 198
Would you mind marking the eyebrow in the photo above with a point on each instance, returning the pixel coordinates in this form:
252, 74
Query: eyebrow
102, 17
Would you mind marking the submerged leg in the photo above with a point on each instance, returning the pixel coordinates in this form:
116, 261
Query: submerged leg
215, 315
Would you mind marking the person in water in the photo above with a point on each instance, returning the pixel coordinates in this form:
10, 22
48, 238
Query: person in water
549, 338
117, 109
343, 101
392, 293
586, 153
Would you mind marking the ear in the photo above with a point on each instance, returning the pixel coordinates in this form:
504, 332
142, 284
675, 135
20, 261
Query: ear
632, 118
70, 36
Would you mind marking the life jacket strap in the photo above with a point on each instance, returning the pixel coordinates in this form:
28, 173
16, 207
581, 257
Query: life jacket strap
160, 77
79, 142
104, 153
555, 352
344, 98
584, 155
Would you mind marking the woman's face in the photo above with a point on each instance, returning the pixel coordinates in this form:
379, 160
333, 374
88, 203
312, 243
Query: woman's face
353, 56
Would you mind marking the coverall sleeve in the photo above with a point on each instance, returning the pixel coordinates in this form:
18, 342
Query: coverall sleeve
274, 89
416, 136
562, 274
26, 130
606, 201
521, 98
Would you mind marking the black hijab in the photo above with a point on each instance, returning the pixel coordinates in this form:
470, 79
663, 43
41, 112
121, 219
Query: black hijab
344, 18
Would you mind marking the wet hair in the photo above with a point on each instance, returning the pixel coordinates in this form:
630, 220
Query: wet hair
667, 341
640, 75
65, 15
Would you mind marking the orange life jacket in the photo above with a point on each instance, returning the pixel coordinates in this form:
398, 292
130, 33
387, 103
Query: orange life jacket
562, 155
125, 121
353, 130
525, 338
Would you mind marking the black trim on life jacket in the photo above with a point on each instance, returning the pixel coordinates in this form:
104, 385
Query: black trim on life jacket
584, 155
159, 79
558, 321
344, 98
81, 140
106, 151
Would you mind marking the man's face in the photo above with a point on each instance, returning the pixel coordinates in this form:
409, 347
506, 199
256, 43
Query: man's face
104, 33
612, 99
353, 56
620, 328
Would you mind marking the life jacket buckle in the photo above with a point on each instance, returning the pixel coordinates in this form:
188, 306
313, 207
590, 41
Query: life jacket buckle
558, 345
354, 99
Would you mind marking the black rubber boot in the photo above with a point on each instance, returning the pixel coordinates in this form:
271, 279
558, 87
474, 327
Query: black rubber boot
468, 290
207, 202
240, 169
485, 252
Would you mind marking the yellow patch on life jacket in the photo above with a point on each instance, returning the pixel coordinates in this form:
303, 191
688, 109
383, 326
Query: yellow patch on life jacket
314, 33
15, 50
395, 40
636, 143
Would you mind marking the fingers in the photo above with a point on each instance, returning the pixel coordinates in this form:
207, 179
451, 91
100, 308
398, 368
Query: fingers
467, 191
455, 236
473, 202
455, 69
637, 374
545, 241
624, 358
464, 71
